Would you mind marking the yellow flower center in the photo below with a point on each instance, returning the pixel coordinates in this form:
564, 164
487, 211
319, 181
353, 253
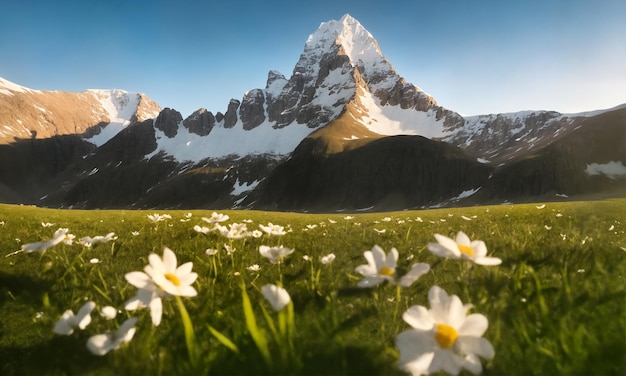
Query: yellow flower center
466, 250
446, 335
386, 271
172, 278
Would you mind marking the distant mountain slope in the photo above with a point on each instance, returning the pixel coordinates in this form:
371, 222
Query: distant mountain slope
569, 166
95, 114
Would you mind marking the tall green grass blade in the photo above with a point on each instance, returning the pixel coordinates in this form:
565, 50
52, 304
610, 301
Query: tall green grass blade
257, 336
223, 339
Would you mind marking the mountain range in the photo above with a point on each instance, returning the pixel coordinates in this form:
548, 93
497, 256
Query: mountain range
344, 132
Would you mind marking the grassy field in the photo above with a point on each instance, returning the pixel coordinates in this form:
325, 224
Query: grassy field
556, 304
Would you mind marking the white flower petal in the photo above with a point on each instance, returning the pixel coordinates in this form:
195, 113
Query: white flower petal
62, 326
448, 243
417, 270
277, 296
366, 270
462, 239
99, 344
474, 325
488, 261
416, 351
472, 364
138, 279
441, 251
184, 269
378, 256
392, 259
479, 247
456, 312
419, 318
155, 266
475, 345
188, 279
169, 260
188, 291
156, 310
108, 312
370, 281
446, 360
439, 302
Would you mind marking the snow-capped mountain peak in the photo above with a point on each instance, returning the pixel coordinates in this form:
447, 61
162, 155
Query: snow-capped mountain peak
354, 41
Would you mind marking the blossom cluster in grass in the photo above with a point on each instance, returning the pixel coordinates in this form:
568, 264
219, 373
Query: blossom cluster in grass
442, 337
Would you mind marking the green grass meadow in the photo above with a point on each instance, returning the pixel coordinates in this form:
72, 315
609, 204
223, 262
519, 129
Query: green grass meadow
556, 305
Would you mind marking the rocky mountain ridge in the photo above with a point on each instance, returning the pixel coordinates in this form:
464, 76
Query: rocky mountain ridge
301, 143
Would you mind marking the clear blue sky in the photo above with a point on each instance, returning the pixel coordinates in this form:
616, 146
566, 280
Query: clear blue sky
474, 57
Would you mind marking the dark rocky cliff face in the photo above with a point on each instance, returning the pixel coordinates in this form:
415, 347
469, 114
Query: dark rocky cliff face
29, 168
389, 173
168, 121
200, 122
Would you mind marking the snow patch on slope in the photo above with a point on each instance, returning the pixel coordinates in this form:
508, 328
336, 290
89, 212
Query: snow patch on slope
394, 120
236, 141
120, 106
612, 169
9, 88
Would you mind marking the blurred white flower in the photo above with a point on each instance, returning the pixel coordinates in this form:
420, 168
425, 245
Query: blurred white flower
254, 268
380, 231
277, 296
60, 235
88, 241
348, 217
381, 267
229, 249
256, 234
234, 231
273, 229
443, 338
216, 218
135, 233
94, 261
202, 229
101, 344
328, 258
47, 224
69, 322
162, 278
462, 248
274, 254
158, 217
108, 312
148, 296
211, 252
